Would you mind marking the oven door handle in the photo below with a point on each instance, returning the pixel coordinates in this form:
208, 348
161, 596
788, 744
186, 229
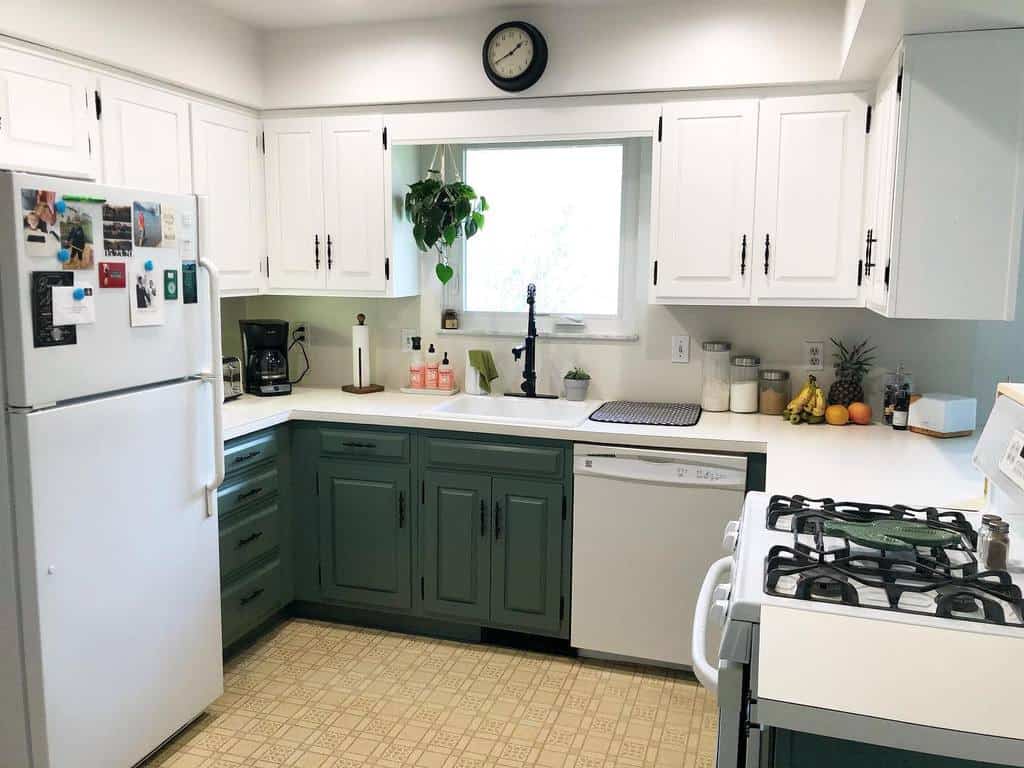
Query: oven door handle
705, 671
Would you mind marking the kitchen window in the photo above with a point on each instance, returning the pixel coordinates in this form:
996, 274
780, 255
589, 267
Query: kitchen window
567, 216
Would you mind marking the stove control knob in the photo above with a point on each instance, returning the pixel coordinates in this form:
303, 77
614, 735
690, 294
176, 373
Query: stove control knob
732, 533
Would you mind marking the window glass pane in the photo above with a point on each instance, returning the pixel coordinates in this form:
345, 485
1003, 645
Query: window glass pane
554, 221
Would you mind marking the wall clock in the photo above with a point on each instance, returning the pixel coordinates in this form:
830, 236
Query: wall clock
515, 55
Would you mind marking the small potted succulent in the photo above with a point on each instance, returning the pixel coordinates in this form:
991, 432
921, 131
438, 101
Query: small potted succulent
577, 381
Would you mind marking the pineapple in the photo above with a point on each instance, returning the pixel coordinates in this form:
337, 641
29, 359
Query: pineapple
851, 365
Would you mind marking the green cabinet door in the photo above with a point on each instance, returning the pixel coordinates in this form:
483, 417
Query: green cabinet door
365, 543
456, 545
526, 554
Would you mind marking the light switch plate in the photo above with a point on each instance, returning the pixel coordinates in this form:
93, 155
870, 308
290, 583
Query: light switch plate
814, 355
680, 349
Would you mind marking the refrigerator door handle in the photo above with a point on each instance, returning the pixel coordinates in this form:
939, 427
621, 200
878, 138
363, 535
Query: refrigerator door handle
215, 376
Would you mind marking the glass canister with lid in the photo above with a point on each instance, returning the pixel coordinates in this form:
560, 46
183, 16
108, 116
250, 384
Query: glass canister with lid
774, 392
743, 387
715, 387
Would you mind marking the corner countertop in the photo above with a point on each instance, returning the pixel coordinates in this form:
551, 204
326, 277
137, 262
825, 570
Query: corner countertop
860, 463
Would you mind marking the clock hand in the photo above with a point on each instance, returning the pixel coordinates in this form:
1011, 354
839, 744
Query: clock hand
517, 47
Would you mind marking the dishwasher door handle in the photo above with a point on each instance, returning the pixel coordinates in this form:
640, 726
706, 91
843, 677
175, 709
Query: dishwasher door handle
705, 671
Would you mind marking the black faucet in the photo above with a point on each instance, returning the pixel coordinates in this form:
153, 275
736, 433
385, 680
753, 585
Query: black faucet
529, 385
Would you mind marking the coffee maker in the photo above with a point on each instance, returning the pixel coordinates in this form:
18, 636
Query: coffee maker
265, 352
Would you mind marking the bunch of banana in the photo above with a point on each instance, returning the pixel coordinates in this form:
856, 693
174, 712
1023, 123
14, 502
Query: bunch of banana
808, 405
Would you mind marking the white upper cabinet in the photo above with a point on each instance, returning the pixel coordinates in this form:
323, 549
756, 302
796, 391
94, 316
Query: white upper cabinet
810, 170
227, 168
705, 248
145, 137
46, 116
296, 245
957, 164
355, 206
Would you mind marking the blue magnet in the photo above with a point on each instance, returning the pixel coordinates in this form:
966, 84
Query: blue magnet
60, 206
78, 294
148, 265
63, 255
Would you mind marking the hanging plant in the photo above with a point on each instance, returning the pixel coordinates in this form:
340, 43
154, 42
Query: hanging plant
441, 211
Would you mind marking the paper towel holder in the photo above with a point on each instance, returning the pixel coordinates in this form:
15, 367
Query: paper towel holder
361, 360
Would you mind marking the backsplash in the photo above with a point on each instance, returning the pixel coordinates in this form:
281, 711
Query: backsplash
964, 357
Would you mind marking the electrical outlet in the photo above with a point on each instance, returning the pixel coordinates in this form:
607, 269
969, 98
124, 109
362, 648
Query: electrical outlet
406, 339
814, 355
680, 349
302, 331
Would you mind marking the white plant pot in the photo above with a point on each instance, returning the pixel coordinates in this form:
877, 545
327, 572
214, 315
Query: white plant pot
576, 389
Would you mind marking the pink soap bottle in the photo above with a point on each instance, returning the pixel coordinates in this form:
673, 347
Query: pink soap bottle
445, 375
431, 368
417, 370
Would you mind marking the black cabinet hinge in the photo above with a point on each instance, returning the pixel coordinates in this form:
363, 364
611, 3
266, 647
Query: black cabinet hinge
561, 608
655, 271
867, 121
565, 507
385, 137
860, 271
887, 265
98, 103
660, 125
423, 588
899, 84
387, 268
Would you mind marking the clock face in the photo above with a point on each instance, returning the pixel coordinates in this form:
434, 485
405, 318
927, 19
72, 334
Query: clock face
510, 53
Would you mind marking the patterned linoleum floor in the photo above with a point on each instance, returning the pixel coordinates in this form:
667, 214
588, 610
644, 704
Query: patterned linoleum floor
317, 695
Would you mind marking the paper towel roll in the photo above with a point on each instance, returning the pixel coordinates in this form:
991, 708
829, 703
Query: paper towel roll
361, 356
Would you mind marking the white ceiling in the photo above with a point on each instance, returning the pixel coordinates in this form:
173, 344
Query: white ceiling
294, 14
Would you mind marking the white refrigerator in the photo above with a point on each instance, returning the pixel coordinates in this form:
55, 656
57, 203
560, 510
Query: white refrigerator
110, 458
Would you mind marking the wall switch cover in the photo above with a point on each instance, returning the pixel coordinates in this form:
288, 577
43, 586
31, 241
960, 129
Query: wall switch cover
814, 355
406, 339
680, 349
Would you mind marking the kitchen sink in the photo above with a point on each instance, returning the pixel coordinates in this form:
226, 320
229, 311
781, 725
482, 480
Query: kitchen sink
515, 410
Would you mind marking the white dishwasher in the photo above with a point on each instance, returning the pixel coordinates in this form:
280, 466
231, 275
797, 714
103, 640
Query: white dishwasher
647, 525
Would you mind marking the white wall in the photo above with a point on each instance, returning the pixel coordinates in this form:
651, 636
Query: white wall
188, 45
625, 48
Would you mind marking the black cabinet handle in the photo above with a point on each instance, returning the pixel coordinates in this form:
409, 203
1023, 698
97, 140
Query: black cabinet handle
743, 257
330, 260
767, 251
887, 265
249, 494
249, 539
868, 263
316, 249
245, 457
497, 520
250, 597
401, 510
483, 517
359, 445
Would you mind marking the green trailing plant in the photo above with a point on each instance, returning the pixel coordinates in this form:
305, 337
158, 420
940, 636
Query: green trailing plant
578, 374
442, 211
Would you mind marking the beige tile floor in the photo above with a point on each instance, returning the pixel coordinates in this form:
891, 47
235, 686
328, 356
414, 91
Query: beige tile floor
318, 695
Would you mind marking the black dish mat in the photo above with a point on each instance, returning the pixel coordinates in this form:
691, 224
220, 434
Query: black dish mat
652, 414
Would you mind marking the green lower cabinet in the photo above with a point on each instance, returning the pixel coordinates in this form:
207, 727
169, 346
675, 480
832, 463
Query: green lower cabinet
456, 561
526, 554
366, 547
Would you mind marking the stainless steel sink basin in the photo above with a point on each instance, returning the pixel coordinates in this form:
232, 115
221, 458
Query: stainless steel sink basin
515, 410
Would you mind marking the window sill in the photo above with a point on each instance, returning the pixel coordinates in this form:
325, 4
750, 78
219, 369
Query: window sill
544, 336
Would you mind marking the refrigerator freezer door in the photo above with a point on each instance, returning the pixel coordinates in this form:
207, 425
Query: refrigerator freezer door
119, 576
109, 354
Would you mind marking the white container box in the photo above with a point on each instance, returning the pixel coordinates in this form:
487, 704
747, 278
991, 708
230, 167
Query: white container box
942, 415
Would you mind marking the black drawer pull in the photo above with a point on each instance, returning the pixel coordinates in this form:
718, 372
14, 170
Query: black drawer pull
250, 597
743, 257
359, 445
767, 252
401, 510
497, 520
483, 517
249, 494
245, 457
316, 249
330, 258
249, 539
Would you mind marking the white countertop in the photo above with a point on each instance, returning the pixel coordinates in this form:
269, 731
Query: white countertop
873, 463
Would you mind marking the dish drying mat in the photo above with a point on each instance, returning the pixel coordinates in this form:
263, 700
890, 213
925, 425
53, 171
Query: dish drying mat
653, 414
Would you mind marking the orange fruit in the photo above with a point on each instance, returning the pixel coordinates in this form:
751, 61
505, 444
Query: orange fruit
860, 413
837, 415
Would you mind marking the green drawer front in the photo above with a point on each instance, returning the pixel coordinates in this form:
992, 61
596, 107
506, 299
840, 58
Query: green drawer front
248, 538
247, 490
247, 452
536, 461
364, 444
252, 600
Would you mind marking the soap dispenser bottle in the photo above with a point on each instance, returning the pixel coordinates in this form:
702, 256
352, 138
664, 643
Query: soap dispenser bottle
445, 375
431, 368
417, 374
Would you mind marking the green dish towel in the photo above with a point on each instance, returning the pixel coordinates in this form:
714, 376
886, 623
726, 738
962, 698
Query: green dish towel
483, 361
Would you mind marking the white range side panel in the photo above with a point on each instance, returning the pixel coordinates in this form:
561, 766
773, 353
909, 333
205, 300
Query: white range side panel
705, 230
296, 245
228, 170
119, 572
46, 118
110, 354
145, 137
810, 176
354, 203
